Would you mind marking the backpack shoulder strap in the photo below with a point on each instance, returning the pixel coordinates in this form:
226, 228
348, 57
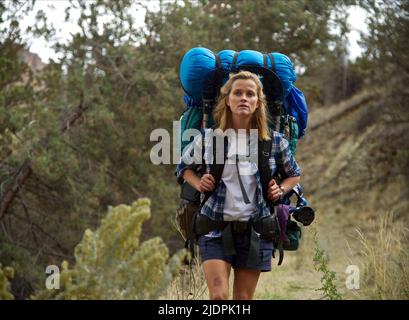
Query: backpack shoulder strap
264, 154
211, 90
265, 149
216, 169
273, 64
234, 62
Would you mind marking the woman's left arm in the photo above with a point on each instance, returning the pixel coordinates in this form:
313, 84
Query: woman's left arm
288, 184
276, 191
288, 168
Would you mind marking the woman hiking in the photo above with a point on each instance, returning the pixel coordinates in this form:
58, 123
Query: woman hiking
238, 197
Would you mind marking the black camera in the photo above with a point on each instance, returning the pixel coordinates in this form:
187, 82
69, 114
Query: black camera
304, 215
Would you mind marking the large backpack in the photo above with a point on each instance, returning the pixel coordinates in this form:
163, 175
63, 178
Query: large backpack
202, 73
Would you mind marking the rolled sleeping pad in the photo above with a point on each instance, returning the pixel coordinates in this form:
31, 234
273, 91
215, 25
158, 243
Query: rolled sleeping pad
198, 63
283, 66
226, 58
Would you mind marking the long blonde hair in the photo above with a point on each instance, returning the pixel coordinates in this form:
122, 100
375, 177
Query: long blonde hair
222, 113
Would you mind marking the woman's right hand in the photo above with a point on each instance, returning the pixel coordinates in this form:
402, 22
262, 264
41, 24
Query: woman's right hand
207, 183
274, 191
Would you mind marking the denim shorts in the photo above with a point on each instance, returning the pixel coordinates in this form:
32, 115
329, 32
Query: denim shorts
212, 248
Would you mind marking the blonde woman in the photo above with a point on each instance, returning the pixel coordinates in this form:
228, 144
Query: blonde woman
238, 197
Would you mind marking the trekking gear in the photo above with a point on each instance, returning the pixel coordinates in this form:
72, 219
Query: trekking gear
304, 215
268, 227
202, 74
198, 64
278, 227
299, 109
185, 214
301, 212
292, 235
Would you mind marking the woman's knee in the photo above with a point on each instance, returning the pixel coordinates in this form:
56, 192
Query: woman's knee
217, 274
219, 289
219, 295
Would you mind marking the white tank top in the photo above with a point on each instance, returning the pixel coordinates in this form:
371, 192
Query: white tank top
234, 206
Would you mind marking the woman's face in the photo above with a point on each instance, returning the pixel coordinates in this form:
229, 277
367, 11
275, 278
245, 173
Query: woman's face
243, 99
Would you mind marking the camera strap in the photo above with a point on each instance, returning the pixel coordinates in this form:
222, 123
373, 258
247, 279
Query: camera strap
243, 190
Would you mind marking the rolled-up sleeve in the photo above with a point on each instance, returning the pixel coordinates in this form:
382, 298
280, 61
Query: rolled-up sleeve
286, 164
190, 159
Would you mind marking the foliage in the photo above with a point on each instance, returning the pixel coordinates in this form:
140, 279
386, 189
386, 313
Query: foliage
111, 263
5, 274
80, 128
321, 264
386, 44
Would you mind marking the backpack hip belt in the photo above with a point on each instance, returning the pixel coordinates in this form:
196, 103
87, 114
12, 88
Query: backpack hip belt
266, 227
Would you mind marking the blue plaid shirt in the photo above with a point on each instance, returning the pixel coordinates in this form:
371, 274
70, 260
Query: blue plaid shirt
281, 161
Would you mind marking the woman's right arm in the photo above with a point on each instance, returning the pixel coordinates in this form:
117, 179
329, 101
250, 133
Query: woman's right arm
187, 172
203, 184
190, 177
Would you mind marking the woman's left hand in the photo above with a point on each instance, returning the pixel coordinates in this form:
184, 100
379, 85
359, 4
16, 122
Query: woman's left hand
274, 191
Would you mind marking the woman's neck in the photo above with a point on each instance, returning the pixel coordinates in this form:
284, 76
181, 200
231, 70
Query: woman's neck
241, 123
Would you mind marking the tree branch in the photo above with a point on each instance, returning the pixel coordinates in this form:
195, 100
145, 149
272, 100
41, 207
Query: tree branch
25, 169
66, 124
21, 177
58, 244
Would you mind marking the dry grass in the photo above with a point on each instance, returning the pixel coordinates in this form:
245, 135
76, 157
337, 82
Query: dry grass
296, 278
190, 284
386, 260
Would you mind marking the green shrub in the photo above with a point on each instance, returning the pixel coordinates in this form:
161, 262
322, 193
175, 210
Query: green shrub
111, 263
5, 274
321, 262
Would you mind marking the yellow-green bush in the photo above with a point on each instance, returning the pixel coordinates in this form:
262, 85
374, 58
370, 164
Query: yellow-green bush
5, 274
111, 263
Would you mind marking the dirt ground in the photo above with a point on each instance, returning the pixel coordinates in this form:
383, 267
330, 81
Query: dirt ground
354, 170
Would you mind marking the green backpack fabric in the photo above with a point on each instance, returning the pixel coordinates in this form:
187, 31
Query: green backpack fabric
293, 233
191, 119
289, 128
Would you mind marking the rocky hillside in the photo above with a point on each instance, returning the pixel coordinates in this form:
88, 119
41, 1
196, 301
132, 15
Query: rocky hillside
33, 60
355, 162
355, 157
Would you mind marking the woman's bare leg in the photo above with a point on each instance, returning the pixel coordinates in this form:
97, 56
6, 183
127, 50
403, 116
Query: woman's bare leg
217, 274
245, 283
